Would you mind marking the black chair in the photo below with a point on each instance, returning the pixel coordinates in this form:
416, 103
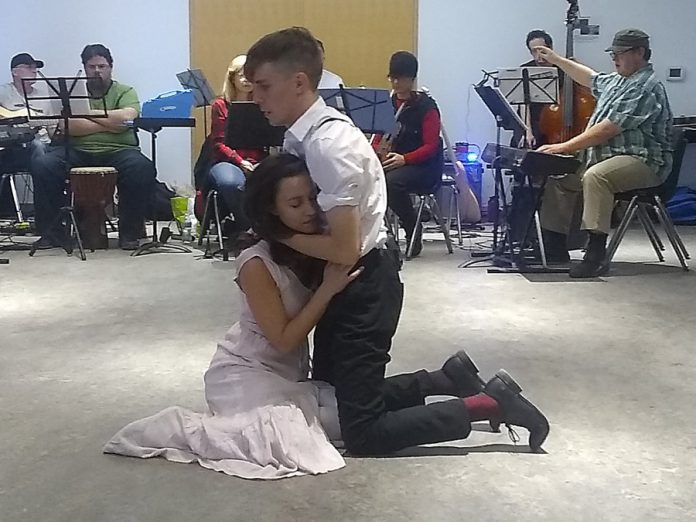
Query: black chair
639, 201
429, 197
448, 182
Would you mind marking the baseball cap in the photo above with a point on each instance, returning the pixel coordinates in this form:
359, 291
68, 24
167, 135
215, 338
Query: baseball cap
629, 39
25, 59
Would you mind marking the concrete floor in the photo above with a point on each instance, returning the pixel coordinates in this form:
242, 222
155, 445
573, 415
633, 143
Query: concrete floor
88, 347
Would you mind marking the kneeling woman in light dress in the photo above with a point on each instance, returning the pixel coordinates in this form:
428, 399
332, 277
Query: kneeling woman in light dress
265, 420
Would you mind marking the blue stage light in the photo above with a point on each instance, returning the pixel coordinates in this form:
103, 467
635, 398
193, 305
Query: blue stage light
471, 157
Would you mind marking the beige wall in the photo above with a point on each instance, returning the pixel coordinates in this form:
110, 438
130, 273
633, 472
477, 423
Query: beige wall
359, 35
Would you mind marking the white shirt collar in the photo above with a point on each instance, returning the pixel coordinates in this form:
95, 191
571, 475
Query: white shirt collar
304, 123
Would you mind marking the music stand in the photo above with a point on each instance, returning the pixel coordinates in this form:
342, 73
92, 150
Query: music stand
67, 98
248, 128
525, 85
506, 118
203, 95
371, 110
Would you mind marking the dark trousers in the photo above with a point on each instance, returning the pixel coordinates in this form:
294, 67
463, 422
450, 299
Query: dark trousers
19, 158
403, 182
136, 176
16, 159
351, 350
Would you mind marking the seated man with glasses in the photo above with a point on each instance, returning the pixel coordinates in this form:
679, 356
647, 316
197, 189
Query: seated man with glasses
24, 69
16, 158
412, 157
99, 142
627, 146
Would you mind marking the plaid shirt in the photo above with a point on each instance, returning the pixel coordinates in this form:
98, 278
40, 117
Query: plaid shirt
639, 106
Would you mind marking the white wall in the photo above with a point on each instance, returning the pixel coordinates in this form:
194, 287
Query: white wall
458, 38
148, 40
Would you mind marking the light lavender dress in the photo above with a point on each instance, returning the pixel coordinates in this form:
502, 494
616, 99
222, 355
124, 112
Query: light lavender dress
263, 421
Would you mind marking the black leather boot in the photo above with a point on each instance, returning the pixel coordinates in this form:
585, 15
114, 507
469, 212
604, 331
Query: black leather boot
592, 264
516, 410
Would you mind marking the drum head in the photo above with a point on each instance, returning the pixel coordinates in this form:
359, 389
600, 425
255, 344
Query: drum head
93, 170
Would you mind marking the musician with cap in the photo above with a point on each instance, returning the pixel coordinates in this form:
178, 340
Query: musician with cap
627, 146
23, 66
414, 159
24, 69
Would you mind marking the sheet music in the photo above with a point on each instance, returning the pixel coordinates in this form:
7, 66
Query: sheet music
77, 88
543, 84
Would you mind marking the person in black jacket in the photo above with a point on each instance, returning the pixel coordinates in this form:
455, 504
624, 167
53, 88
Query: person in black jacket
415, 159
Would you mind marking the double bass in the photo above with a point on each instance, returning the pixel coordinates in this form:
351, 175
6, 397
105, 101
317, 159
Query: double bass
565, 120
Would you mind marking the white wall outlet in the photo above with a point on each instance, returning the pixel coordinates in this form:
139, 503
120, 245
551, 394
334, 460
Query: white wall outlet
675, 74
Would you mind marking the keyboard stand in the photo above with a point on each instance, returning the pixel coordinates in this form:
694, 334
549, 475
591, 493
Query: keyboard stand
516, 259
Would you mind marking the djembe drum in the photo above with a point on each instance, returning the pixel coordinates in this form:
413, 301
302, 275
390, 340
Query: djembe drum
93, 189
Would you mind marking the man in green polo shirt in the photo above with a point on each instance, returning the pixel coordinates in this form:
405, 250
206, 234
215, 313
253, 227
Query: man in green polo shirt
97, 142
627, 145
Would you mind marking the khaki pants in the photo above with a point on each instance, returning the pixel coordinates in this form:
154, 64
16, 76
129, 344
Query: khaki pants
598, 184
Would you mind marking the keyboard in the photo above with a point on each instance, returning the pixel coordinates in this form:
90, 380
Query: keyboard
530, 161
11, 136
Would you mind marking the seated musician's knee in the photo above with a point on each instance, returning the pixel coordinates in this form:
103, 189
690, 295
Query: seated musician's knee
138, 171
47, 166
593, 177
37, 150
393, 179
226, 175
144, 165
399, 184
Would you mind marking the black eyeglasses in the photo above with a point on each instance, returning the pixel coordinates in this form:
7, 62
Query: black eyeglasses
613, 54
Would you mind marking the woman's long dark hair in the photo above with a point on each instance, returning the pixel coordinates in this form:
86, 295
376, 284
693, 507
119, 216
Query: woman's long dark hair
260, 193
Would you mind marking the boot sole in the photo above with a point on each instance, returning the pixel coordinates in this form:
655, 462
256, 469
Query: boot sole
601, 271
457, 367
509, 381
464, 363
465, 360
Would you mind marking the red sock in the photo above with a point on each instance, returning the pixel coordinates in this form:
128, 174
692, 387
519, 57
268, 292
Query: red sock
482, 407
